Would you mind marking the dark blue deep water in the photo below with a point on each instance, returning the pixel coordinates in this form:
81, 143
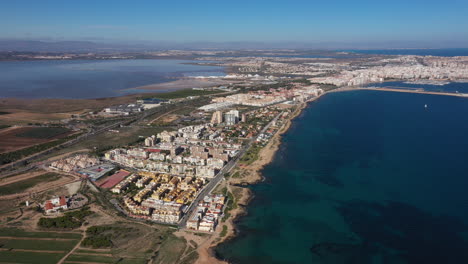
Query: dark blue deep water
90, 78
363, 177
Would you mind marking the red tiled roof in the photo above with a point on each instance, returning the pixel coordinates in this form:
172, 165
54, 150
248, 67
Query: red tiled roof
153, 150
114, 179
48, 206
62, 201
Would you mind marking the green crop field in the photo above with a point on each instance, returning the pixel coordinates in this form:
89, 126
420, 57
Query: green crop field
43, 132
15, 232
10, 255
29, 257
20, 186
91, 258
103, 259
59, 245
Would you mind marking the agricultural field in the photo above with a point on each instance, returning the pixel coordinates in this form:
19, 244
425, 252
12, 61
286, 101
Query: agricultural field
17, 138
100, 257
21, 186
128, 243
20, 246
43, 132
108, 140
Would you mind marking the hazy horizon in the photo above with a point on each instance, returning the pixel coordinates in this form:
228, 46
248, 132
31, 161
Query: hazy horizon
340, 24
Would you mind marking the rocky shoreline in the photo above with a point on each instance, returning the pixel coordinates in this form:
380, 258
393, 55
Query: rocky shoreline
266, 155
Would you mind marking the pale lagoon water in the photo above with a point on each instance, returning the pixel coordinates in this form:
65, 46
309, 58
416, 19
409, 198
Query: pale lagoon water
90, 78
363, 177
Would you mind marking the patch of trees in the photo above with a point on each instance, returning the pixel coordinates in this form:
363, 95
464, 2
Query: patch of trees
96, 237
70, 220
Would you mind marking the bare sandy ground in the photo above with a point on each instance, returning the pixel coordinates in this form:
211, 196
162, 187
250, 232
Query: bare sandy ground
21, 177
185, 83
42, 187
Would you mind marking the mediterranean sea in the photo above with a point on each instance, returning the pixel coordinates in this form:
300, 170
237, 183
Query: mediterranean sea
363, 177
90, 78
450, 87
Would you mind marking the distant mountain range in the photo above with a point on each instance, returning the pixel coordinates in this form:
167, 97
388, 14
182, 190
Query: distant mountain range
65, 46
90, 46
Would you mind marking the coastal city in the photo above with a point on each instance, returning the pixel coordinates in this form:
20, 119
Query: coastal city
246, 132
169, 177
177, 164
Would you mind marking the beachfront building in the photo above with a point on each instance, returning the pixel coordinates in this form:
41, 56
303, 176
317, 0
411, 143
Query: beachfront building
205, 218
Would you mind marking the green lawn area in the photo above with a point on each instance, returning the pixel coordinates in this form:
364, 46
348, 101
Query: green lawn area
224, 231
15, 232
184, 93
251, 155
64, 245
29, 257
43, 132
21, 186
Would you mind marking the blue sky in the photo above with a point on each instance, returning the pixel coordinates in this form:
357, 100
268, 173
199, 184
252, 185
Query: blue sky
225, 21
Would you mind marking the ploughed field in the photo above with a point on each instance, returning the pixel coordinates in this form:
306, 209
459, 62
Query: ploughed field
22, 137
18, 246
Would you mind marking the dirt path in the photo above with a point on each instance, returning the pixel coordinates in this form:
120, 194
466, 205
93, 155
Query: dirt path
165, 114
71, 251
20, 177
82, 262
94, 254
43, 188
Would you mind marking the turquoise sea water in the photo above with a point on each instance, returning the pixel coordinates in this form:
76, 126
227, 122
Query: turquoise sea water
90, 78
363, 177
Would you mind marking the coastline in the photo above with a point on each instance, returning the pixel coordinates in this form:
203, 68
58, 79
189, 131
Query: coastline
266, 156
207, 250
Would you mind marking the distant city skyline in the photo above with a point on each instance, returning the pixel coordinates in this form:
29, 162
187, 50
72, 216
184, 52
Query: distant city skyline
395, 24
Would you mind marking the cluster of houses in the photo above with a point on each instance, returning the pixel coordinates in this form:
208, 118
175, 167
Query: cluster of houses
159, 197
265, 98
76, 162
197, 151
205, 218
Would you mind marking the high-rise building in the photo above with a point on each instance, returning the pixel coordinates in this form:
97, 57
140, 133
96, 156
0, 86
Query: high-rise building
217, 117
150, 141
231, 117
243, 118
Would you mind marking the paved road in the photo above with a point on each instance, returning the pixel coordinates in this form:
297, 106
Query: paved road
26, 165
220, 176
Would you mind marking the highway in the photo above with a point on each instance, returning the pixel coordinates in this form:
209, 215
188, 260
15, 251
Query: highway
220, 176
8, 169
